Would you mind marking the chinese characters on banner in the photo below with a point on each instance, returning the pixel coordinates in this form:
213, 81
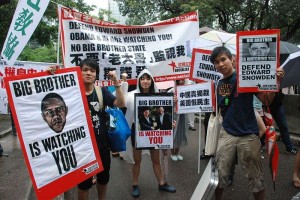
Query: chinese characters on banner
160, 46
202, 69
19, 68
26, 18
57, 139
258, 59
153, 121
195, 98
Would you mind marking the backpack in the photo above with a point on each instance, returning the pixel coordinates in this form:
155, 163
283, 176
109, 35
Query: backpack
100, 96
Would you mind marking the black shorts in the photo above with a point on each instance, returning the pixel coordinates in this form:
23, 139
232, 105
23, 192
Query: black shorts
102, 177
133, 135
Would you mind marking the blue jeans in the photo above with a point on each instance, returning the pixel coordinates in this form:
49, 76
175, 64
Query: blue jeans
277, 112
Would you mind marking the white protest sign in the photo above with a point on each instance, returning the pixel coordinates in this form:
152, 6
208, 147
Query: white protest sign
57, 139
159, 47
258, 59
151, 131
19, 68
195, 98
26, 18
202, 69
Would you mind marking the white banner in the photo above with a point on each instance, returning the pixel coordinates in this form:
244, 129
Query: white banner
27, 16
195, 98
161, 47
151, 130
19, 68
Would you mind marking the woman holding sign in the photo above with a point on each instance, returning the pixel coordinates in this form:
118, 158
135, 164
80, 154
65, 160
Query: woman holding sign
145, 84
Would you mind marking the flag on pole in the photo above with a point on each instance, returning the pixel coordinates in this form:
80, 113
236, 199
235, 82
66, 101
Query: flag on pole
26, 18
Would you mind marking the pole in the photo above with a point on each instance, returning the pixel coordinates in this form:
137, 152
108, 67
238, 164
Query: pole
200, 136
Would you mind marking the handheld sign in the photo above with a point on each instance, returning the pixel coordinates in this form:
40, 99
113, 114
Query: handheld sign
19, 68
258, 59
202, 69
153, 121
195, 98
54, 129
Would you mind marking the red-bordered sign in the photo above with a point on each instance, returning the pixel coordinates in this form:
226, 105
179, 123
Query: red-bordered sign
257, 60
55, 130
202, 69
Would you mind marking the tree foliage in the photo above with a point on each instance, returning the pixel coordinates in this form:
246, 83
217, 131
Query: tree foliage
41, 54
231, 15
47, 30
102, 13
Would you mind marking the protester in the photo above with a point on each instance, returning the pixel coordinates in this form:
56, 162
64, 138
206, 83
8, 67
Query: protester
191, 119
13, 126
145, 84
259, 114
90, 70
191, 116
257, 105
296, 178
239, 133
276, 107
277, 111
180, 138
234, 61
205, 122
124, 88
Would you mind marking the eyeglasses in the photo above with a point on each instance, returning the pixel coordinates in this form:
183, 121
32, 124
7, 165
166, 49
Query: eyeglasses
52, 112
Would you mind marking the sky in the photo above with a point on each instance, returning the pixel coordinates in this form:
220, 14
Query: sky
99, 3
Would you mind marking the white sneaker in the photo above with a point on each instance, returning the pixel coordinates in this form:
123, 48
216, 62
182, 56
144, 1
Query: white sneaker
174, 158
179, 157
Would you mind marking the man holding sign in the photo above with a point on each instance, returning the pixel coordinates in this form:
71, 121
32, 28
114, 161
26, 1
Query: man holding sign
90, 70
239, 134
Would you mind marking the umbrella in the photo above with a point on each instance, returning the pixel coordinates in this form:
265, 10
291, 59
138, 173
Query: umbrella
212, 39
292, 70
287, 48
164, 85
273, 152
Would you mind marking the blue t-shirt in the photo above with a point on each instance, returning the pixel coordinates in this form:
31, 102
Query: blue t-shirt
99, 116
238, 115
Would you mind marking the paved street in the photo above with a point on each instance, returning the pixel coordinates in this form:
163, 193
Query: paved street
15, 183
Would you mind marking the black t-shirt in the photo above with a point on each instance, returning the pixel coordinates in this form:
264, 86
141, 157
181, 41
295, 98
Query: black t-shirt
238, 114
99, 116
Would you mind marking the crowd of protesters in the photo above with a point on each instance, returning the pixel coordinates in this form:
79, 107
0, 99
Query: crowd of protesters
239, 140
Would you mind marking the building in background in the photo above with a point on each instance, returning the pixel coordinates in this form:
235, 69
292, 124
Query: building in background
115, 13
